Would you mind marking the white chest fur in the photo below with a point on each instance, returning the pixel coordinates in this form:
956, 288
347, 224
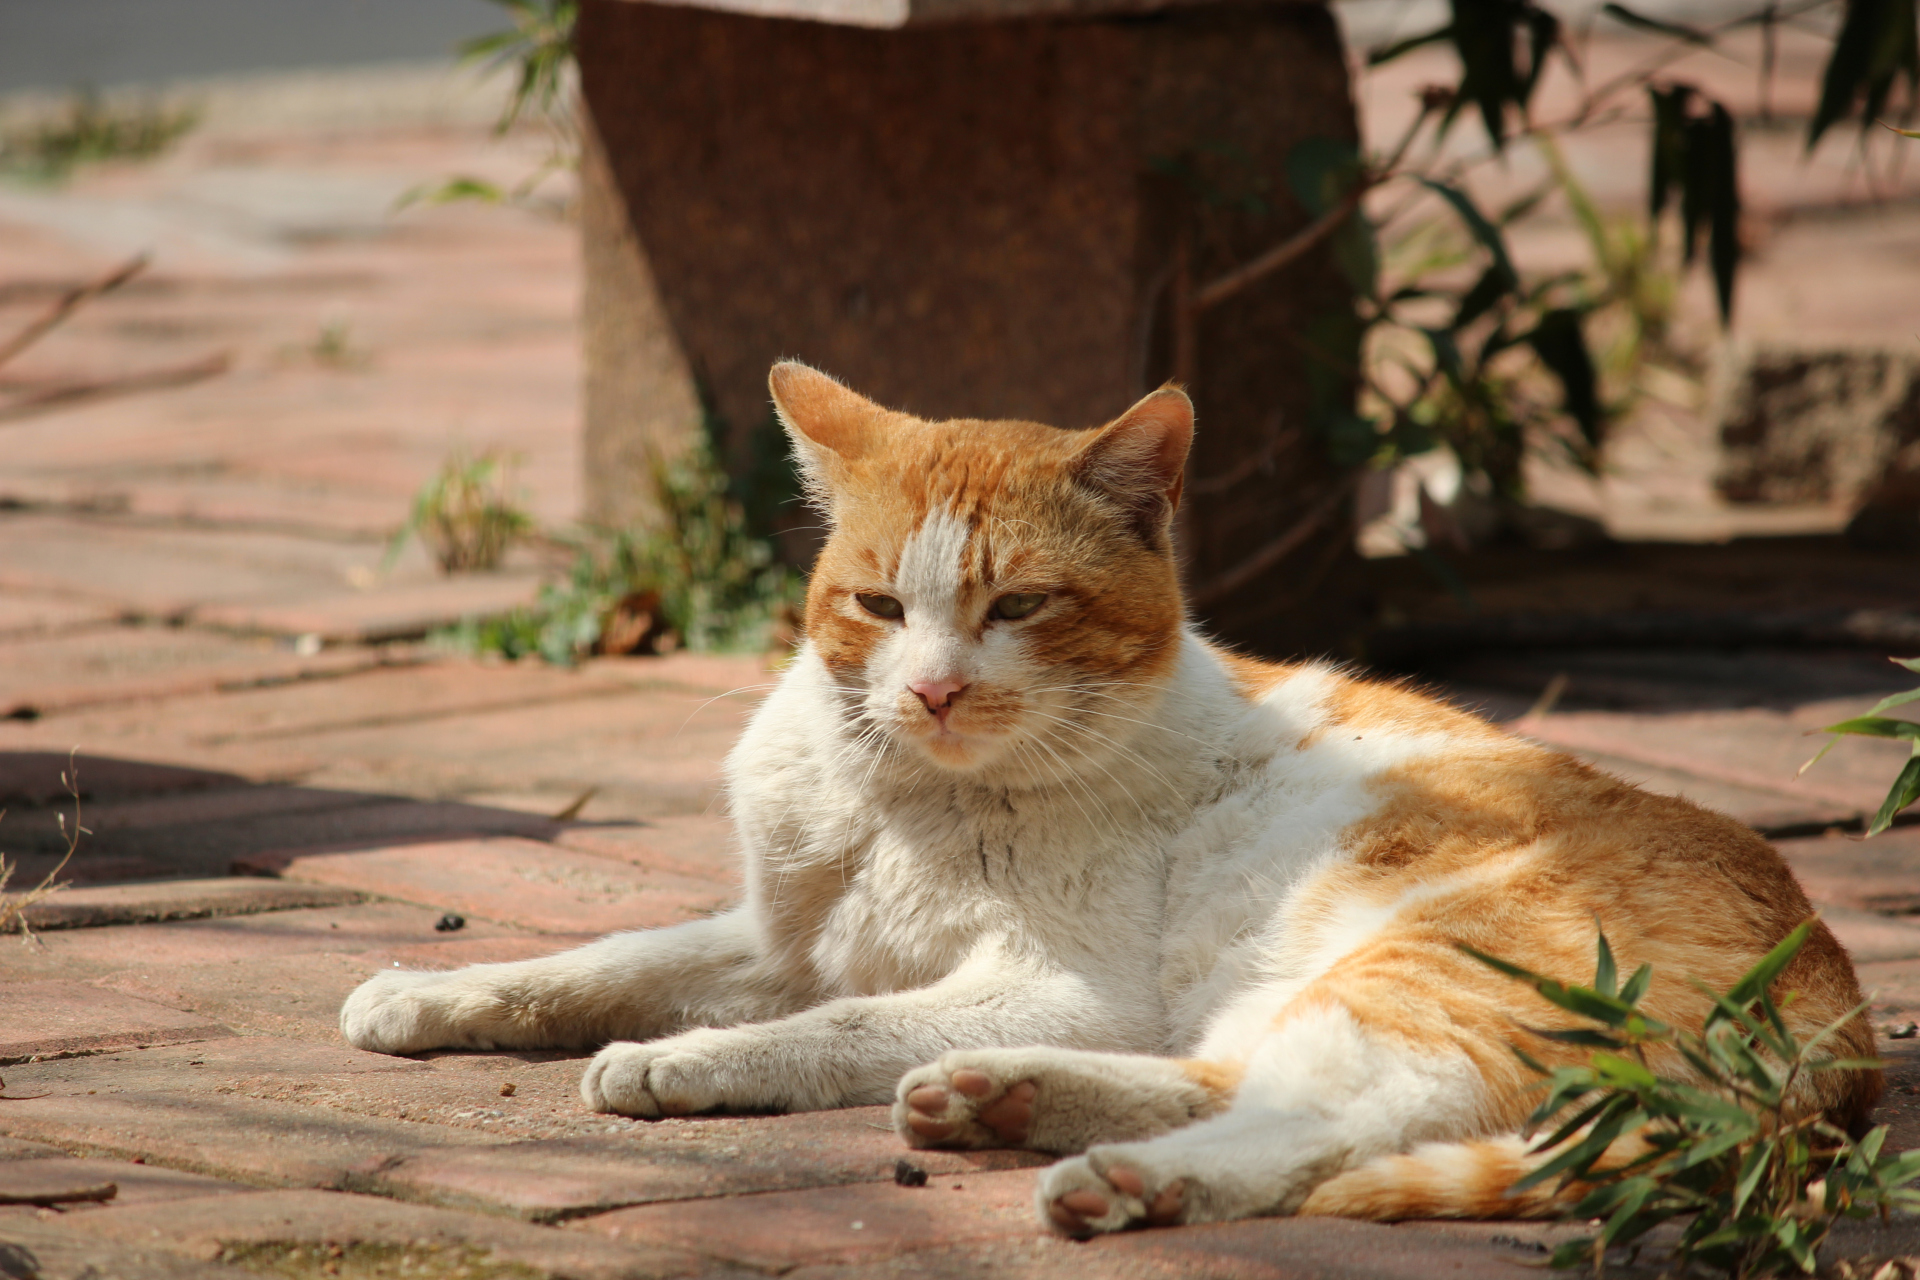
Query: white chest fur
1168, 866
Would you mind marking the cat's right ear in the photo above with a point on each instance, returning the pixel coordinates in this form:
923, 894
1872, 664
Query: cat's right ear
828, 425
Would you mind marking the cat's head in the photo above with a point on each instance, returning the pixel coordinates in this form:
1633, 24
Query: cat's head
996, 597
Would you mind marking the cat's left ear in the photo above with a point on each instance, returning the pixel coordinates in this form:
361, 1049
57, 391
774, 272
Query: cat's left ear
1140, 458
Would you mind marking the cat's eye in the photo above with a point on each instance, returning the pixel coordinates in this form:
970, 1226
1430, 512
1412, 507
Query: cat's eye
880, 606
1017, 606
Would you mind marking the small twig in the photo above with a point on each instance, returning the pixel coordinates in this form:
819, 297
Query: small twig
69, 302
1279, 549
151, 380
1219, 290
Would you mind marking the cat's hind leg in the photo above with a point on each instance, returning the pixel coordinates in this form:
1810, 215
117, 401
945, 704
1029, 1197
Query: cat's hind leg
1060, 1100
1321, 1094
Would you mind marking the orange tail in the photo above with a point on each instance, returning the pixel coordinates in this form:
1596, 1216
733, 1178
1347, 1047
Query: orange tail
1452, 1180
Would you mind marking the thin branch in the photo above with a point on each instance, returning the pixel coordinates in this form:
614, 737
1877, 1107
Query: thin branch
71, 393
1223, 287
1246, 468
69, 302
1280, 548
1248, 273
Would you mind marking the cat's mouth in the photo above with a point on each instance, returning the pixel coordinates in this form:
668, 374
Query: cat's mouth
967, 734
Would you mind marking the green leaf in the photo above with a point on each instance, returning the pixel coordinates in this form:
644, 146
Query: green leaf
1761, 976
1894, 700
460, 188
1621, 1072
1637, 985
1878, 40
1911, 664
1676, 30
1562, 346
1582, 1036
1606, 974
1488, 290
1476, 222
1876, 727
1905, 790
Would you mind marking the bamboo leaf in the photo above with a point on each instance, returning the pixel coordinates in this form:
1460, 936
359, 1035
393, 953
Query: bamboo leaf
1482, 230
1722, 162
1876, 727
1636, 987
1668, 144
1562, 346
1487, 291
1905, 790
1761, 976
1606, 973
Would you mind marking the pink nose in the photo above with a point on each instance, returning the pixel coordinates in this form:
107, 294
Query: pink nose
938, 695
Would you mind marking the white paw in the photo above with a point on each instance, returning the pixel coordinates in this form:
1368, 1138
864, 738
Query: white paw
682, 1075
396, 1011
1044, 1099
1110, 1189
967, 1100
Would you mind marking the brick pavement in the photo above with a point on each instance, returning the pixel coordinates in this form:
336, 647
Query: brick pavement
269, 823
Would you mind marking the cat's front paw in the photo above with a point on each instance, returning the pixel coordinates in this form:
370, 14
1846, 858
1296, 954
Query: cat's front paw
397, 1011
674, 1077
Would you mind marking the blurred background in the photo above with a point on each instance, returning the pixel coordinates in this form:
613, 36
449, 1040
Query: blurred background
436, 331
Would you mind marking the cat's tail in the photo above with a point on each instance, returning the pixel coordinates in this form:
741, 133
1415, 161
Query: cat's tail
1455, 1180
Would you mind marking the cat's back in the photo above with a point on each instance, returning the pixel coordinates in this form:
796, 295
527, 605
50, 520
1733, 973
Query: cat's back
1362, 802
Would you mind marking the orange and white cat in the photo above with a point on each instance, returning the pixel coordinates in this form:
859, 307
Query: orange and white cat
1031, 859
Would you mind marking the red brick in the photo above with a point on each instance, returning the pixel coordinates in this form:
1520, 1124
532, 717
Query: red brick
673, 1160
33, 778
56, 1253
137, 664
698, 845
297, 995
206, 1229
13, 1149
1871, 937
1751, 748
178, 900
397, 612
227, 1136
784, 1229
136, 1183
520, 882
224, 1067
395, 930
46, 1018
1876, 874
25, 615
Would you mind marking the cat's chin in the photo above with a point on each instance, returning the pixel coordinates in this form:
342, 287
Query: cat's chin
960, 752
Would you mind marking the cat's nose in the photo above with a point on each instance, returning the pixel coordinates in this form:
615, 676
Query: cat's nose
937, 695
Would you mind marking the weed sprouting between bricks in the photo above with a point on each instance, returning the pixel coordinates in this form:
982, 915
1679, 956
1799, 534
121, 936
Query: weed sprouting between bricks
1906, 784
1759, 1186
13, 906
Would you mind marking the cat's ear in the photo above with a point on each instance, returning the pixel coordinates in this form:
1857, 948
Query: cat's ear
829, 425
1140, 458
